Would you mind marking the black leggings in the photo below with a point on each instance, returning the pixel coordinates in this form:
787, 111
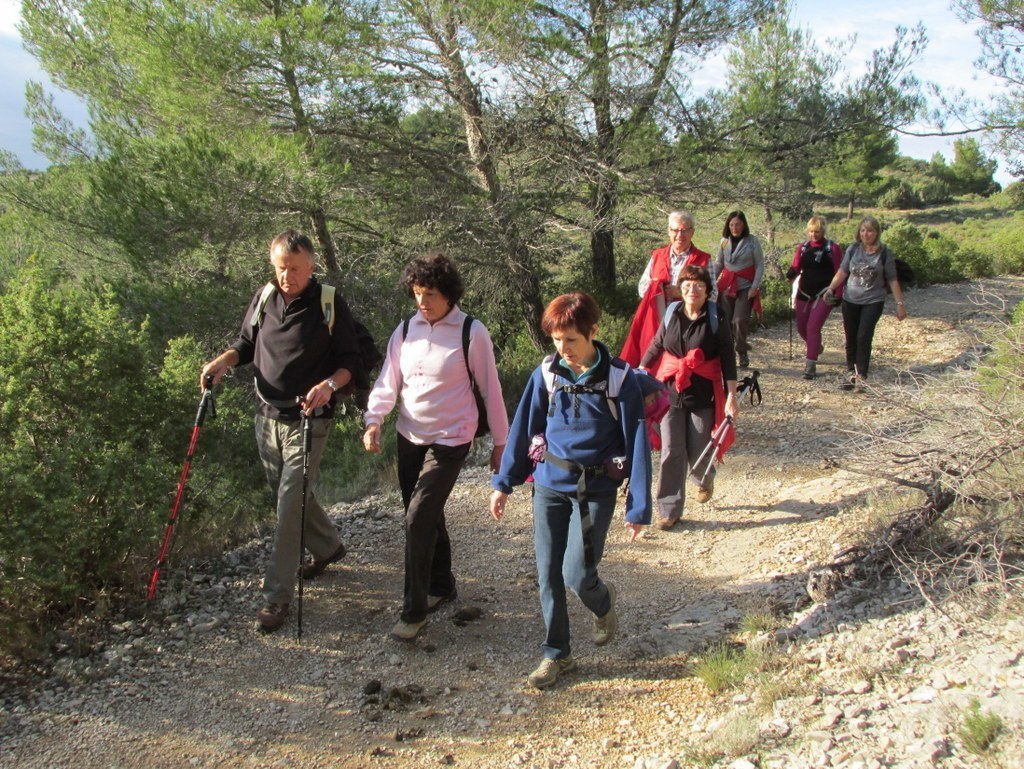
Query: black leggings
859, 321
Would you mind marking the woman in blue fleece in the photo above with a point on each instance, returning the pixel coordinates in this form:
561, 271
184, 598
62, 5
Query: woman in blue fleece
588, 408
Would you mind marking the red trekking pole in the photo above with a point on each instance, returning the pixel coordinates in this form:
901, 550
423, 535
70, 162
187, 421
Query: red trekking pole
207, 402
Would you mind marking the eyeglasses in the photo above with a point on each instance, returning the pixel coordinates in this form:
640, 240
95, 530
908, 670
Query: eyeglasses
692, 285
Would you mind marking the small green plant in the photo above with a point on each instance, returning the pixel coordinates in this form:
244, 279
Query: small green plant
978, 730
758, 622
722, 667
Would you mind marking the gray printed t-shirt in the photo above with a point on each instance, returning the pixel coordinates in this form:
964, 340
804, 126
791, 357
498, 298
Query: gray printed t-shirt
869, 274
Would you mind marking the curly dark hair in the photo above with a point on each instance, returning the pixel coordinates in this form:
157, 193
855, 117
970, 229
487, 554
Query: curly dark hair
434, 270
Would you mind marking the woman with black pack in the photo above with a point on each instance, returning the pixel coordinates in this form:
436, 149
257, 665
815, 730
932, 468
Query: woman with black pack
814, 265
867, 268
693, 354
430, 370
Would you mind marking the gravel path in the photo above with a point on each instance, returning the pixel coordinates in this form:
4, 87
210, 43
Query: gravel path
868, 681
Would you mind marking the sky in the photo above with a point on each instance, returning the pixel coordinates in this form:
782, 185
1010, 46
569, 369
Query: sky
948, 61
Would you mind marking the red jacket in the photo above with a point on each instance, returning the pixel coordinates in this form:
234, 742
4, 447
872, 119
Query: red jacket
648, 314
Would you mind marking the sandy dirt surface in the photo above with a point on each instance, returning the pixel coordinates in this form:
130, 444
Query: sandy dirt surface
194, 684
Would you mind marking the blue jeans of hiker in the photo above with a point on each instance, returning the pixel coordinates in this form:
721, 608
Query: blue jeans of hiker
558, 541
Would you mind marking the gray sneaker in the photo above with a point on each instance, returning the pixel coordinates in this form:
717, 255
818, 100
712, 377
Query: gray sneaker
548, 671
407, 631
605, 627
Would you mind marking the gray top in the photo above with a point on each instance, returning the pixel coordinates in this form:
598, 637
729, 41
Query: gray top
747, 253
869, 274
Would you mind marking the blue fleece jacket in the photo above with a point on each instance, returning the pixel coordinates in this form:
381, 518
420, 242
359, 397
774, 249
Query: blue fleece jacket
582, 429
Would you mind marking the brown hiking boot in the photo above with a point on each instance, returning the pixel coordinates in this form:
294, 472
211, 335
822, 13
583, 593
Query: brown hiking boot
315, 568
272, 616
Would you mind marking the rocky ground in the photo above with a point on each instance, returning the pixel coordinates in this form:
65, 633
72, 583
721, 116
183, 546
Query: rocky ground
865, 679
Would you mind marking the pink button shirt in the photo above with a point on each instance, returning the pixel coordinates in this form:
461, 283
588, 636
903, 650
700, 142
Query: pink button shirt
425, 373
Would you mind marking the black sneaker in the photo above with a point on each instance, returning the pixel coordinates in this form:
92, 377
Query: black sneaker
744, 361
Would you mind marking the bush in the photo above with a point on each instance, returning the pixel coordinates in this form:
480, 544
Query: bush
79, 473
907, 242
1014, 194
933, 192
900, 196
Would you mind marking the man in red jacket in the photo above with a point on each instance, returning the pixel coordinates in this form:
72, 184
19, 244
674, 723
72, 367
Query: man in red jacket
658, 287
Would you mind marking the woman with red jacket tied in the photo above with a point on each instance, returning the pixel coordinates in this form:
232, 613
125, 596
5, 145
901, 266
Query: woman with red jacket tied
814, 265
740, 268
694, 355
657, 285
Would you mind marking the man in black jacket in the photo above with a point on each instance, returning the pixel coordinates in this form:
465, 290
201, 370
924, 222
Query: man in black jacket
297, 358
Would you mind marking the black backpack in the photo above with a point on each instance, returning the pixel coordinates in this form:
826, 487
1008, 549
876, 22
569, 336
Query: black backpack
904, 272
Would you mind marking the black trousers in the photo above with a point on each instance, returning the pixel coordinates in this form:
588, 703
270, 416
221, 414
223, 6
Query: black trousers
427, 475
859, 321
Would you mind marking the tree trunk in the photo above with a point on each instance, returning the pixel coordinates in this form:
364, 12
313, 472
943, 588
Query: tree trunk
603, 198
849, 210
522, 277
602, 238
769, 224
317, 214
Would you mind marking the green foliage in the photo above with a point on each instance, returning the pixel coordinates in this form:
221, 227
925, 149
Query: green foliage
907, 242
722, 666
1014, 194
971, 171
81, 479
900, 195
978, 730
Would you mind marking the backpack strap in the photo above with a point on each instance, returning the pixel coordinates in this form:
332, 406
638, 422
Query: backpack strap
326, 305
617, 371
467, 324
712, 308
261, 305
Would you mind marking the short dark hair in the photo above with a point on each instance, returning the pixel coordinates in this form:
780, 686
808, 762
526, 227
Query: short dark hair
695, 272
736, 215
576, 309
293, 241
434, 270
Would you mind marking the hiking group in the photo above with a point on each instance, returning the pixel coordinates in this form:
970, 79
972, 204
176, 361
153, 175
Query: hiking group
584, 426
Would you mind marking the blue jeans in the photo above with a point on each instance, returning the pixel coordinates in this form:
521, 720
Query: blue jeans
558, 541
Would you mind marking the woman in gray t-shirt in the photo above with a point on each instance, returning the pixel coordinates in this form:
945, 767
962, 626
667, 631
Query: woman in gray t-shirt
867, 268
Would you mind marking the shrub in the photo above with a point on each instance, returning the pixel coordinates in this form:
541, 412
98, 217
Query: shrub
907, 242
933, 192
80, 469
900, 196
942, 252
1014, 194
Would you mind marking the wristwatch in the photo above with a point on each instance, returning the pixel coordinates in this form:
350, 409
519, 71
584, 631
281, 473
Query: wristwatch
332, 384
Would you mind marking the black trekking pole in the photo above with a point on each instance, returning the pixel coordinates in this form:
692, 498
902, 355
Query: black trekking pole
207, 402
307, 447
